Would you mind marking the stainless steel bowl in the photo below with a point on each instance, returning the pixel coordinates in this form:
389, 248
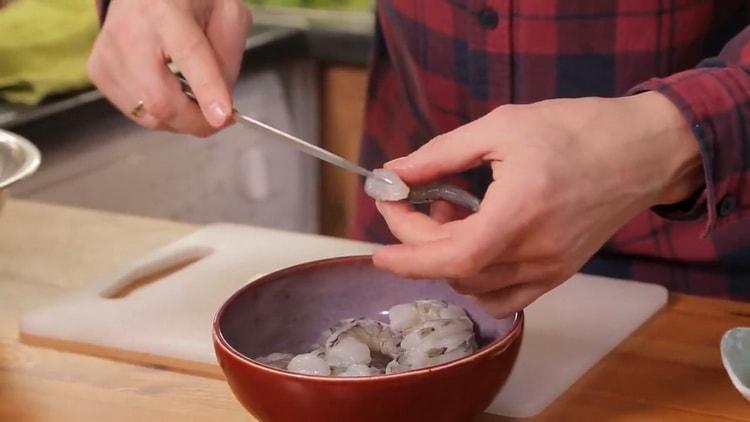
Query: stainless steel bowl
19, 158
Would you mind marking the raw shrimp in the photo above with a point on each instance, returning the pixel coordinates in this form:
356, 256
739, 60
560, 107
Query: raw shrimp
423, 333
347, 351
375, 334
449, 193
437, 341
407, 315
312, 363
383, 191
380, 190
358, 370
278, 360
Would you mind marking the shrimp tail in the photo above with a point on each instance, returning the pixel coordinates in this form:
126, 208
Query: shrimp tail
449, 193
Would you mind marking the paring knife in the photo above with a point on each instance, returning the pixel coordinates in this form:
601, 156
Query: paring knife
418, 195
292, 140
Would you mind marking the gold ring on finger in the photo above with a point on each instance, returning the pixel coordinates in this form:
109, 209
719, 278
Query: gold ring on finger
138, 110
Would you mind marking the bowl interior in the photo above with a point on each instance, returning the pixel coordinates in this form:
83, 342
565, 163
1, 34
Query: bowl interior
735, 354
18, 158
286, 311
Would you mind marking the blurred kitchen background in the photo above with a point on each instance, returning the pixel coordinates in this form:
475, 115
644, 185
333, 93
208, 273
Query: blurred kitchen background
304, 71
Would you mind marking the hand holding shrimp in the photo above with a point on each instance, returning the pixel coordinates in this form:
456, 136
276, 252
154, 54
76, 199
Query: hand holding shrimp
566, 175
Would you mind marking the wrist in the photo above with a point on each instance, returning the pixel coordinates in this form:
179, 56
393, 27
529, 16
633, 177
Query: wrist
667, 142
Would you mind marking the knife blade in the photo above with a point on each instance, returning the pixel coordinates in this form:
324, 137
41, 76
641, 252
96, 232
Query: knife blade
300, 144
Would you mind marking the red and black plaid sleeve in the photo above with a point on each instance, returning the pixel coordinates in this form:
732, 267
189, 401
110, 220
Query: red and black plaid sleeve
715, 98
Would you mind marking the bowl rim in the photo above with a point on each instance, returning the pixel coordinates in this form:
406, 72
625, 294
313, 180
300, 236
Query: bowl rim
33, 157
499, 345
729, 364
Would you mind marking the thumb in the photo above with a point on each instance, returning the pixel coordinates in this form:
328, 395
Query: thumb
449, 153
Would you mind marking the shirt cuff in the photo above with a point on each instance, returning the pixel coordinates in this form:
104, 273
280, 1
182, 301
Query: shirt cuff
711, 100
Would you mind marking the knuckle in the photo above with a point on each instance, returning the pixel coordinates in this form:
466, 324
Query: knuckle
461, 286
441, 140
247, 15
505, 111
118, 31
96, 62
188, 45
505, 108
94, 67
242, 12
159, 106
114, 26
435, 143
464, 265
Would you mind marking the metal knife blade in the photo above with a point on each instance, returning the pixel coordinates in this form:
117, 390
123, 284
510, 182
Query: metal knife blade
308, 148
299, 144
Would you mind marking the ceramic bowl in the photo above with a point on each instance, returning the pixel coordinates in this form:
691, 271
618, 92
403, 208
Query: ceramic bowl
19, 158
735, 355
288, 309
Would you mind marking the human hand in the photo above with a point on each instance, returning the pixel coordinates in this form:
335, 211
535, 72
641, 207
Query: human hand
567, 174
205, 39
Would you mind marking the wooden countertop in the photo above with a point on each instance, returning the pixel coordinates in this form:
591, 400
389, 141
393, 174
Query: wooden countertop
669, 370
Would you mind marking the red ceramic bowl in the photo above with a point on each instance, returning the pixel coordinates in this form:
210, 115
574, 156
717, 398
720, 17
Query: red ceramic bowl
288, 309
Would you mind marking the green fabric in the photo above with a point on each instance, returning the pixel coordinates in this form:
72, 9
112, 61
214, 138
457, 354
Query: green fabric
44, 45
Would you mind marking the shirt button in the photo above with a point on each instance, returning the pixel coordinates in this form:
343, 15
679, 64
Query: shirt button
727, 205
488, 18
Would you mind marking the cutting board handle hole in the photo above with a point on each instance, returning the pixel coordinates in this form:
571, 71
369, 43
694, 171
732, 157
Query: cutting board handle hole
148, 273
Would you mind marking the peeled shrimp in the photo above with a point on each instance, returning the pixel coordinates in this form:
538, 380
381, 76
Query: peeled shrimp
279, 360
434, 331
347, 351
437, 341
375, 334
408, 315
422, 333
379, 189
358, 370
311, 363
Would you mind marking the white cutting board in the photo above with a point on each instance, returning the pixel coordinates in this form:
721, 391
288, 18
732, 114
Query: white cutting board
168, 321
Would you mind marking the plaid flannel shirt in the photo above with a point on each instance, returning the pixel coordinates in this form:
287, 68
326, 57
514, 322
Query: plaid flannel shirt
439, 64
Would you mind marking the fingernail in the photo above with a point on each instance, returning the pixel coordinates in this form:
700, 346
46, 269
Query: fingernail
217, 114
398, 162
